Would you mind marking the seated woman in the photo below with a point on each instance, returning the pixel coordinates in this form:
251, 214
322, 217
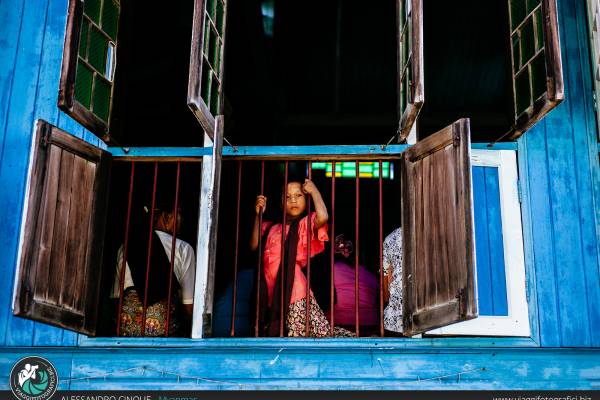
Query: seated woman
155, 289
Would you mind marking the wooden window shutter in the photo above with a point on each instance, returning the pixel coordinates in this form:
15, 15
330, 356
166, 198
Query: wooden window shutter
205, 85
536, 61
438, 233
207, 233
410, 64
89, 62
61, 250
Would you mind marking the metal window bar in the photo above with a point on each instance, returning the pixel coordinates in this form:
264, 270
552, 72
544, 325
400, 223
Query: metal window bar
173, 246
237, 246
381, 327
308, 240
332, 256
260, 261
148, 259
282, 267
356, 247
125, 247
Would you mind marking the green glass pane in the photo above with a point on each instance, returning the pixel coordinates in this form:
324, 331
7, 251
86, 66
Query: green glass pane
220, 20
206, 78
101, 98
91, 8
532, 4
206, 35
321, 165
212, 46
538, 76
210, 8
539, 29
527, 41
83, 39
214, 97
110, 18
516, 53
216, 62
98, 49
522, 92
517, 12
83, 84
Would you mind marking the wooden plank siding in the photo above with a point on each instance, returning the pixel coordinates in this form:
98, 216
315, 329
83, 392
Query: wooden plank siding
282, 368
560, 177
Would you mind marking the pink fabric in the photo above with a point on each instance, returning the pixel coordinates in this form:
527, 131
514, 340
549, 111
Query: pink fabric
272, 255
368, 292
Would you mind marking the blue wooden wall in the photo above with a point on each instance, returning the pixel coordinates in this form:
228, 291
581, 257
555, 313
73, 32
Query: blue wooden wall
556, 161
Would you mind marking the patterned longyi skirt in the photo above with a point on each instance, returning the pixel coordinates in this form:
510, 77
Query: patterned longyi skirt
156, 317
319, 325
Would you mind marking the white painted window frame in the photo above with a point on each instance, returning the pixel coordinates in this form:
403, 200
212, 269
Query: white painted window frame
517, 321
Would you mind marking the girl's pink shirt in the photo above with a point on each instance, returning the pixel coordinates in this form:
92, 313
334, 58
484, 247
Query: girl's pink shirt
272, 255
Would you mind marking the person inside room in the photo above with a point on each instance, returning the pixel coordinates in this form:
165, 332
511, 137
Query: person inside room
154, 291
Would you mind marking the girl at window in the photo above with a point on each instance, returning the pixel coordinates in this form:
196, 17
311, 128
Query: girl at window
296, 256
135, 286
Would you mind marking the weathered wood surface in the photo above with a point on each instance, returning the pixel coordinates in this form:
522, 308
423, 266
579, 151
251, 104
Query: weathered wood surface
281, 368
408, 115
59, 270
437, 215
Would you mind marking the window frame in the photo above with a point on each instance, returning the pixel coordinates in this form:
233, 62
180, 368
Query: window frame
516, 324
66, 94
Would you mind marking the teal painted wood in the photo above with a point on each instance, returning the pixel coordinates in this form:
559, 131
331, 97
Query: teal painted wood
491, 274
589, 181
15, 152
334, 368
47, 96
496, 242
482, 245
10, 20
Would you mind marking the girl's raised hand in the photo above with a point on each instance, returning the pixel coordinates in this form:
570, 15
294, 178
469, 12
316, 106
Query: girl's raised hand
309, 187
261, 203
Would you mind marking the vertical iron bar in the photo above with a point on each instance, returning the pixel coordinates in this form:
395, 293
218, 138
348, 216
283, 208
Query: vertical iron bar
125, 244
173, 245
308, 240
381, 328
237, 246
282, 258
332, 256
356, 238
260, 261
143, 322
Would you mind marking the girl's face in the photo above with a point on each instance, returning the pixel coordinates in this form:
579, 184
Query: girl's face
296, 201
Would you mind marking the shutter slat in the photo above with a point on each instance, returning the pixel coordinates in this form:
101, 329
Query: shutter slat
63, 232
48, 213
438, 231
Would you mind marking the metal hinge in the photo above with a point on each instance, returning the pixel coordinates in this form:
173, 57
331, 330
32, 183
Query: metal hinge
462, 304
595, 100
527, 291
45, 139
519, 191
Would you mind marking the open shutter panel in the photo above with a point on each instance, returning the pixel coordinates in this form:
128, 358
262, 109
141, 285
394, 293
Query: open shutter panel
207, 233
438, 234
410, 64
536, 61
60, 263
205, 85
89, 62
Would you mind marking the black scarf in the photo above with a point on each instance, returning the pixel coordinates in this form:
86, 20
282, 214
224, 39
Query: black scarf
160, 267
269, 317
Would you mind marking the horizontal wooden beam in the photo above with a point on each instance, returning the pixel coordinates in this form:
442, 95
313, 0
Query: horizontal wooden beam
347, 152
